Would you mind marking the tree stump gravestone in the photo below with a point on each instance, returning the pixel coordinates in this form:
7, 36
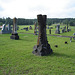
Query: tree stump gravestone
14, 33
42, 48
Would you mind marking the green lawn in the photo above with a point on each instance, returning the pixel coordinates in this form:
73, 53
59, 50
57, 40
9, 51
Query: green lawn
16, 56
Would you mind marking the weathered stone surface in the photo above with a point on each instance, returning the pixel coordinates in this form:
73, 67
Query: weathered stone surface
42, 48
14, 33
14, 36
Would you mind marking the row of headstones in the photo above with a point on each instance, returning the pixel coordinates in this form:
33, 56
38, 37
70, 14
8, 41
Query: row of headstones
26, 28
63, 29
5, 29
14, 32
58, 29
42, 48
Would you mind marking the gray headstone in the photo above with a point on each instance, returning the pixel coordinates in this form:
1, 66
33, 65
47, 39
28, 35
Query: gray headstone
57, 29
6, 29
30, 27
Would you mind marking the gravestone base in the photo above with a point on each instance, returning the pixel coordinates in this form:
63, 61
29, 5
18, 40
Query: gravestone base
42, 50
14, 36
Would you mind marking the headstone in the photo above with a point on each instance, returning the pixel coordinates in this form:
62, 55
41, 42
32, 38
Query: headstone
14, 33
30, 27
35, 28
42, 48
63, 31
67, 28
50, 31
18, 28
9, 28
6, 29
25, 29
57, 29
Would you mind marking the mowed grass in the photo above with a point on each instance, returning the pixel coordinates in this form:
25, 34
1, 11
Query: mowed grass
16, 56
47, 30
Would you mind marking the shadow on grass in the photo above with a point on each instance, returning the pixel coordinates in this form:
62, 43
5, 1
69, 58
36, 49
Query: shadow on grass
72, 41
59, 55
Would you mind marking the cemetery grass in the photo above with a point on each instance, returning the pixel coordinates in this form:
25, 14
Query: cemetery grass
16, 56
47, 30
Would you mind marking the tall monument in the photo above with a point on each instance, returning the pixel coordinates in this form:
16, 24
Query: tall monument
14, 33
42, 48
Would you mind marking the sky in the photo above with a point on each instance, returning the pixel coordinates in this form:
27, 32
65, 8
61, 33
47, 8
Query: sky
29, 9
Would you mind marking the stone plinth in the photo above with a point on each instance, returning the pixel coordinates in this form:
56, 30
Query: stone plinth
42, 48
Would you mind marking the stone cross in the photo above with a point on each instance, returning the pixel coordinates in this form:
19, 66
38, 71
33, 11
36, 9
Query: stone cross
42, 48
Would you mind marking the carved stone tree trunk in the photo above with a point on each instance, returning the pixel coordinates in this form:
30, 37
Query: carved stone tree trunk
42, 48
14, 33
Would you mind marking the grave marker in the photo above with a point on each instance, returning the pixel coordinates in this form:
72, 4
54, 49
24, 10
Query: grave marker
42, 48
14, 33
35, 28
6, 29
57, 29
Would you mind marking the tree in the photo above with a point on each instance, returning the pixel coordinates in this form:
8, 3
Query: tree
1, 23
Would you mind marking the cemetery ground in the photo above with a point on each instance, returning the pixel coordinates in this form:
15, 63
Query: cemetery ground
16, 56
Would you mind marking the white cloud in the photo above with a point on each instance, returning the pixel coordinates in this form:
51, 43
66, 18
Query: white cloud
31, 8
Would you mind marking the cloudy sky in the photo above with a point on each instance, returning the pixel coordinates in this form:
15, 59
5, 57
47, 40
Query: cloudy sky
31, 8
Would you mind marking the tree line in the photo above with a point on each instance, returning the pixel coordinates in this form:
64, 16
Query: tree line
50, 21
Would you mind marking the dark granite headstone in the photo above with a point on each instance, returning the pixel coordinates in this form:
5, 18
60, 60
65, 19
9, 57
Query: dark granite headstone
26, 28
14, 33
50, 31
42, 48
